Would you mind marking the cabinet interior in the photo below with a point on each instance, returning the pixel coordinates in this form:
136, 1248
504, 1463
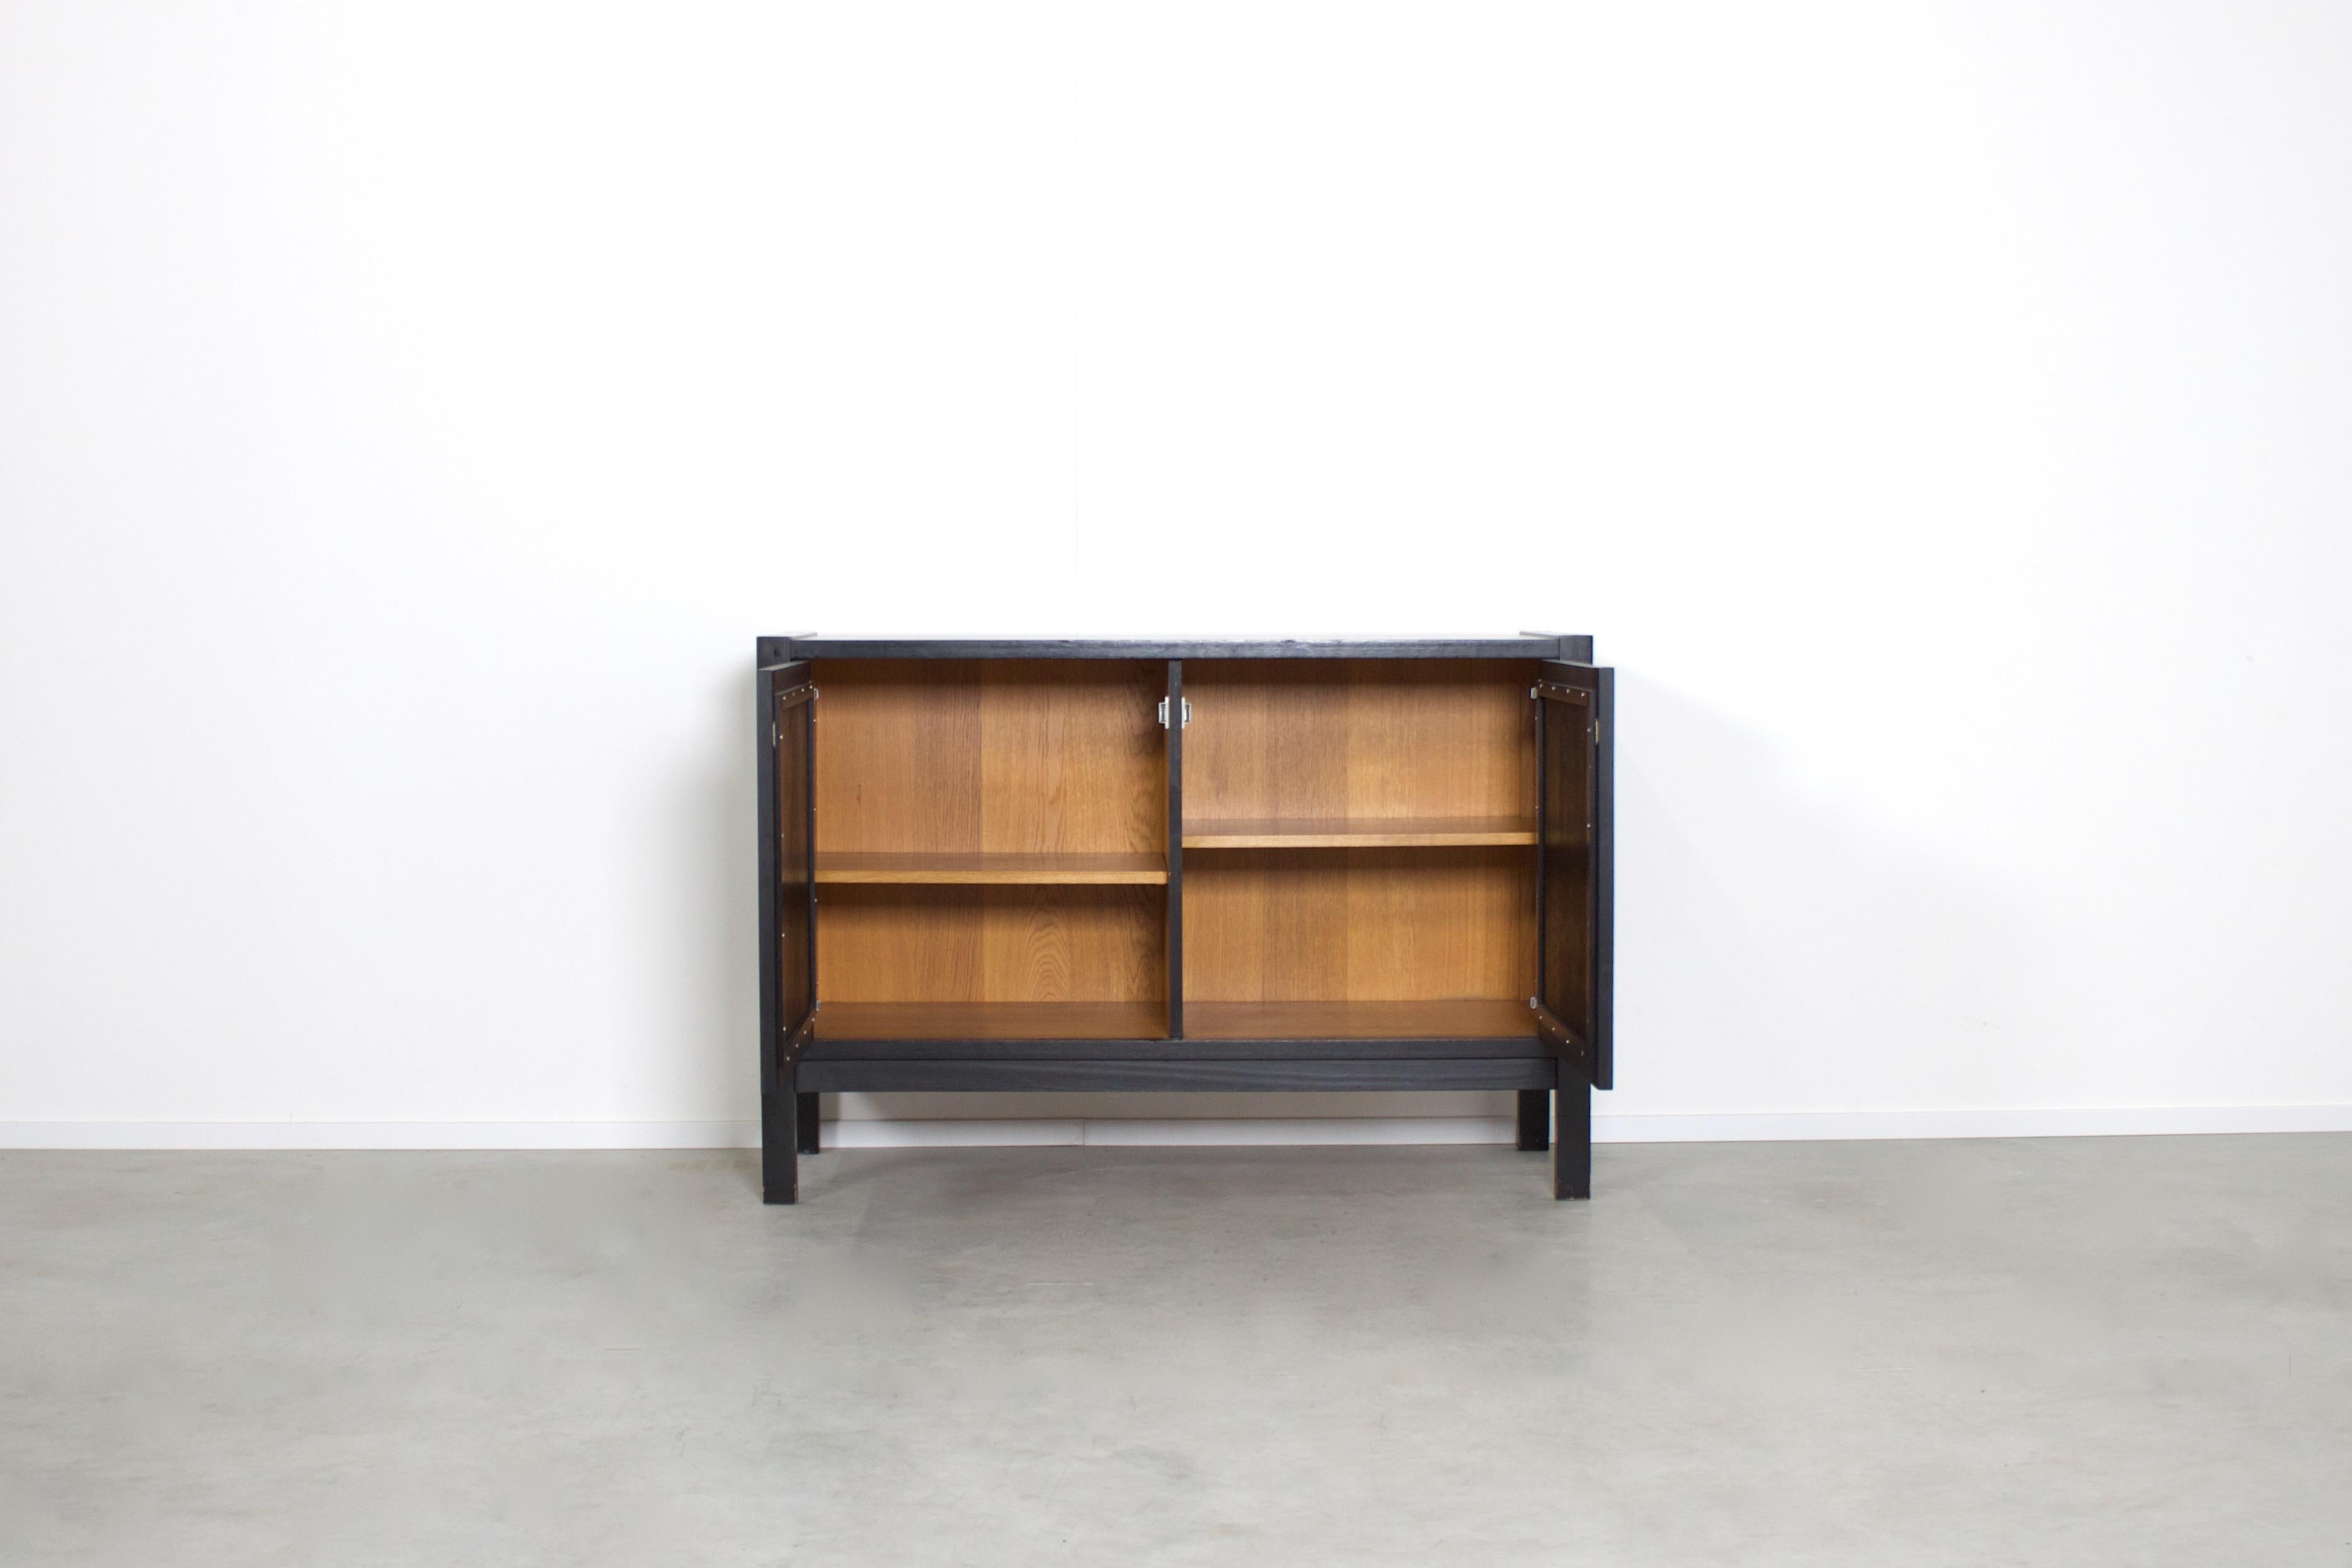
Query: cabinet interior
992, 838
1358, 831
992, 831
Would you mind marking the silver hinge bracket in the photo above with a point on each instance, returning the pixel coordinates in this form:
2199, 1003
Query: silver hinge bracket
1184, 712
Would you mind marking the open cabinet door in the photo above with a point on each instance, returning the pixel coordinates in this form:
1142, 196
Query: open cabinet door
787, 918
1575, 726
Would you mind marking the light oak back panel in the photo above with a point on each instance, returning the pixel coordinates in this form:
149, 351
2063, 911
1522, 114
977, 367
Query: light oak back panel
1001, 755
932, 944
1360, 739
965, 757
1299, 925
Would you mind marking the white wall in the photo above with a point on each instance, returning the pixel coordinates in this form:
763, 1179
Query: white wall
410, 413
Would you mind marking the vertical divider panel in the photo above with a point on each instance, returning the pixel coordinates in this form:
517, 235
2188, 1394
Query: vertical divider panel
1175, 938
1540, 706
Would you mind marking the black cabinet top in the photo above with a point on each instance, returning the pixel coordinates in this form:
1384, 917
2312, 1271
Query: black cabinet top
1527, 645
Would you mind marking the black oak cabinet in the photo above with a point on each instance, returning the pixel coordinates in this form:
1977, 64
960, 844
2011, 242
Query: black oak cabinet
1139, 865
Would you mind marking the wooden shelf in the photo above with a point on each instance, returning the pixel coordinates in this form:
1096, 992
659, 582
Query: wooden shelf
1473, 1019
991, 868
992, 1021
1355, 832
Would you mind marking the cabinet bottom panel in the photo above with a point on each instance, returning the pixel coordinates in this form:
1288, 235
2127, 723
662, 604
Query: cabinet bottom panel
1474, 1017
991, 1021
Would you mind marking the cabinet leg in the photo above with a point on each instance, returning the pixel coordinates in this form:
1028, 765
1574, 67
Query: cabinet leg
779, 1162
1572, 1149
1535, 1120
805, 1117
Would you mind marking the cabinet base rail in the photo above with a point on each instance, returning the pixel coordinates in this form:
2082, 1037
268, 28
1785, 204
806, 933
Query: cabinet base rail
1555, 1106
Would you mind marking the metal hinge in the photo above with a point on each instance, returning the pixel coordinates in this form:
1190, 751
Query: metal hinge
1184, 712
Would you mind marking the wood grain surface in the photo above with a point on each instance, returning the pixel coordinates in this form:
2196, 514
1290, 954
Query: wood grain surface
881, 943
1360, 738
1010, 756
1355, 832
990, 1021
1005, 869
944, 758
1359, 925
1361, 741
1459, 1020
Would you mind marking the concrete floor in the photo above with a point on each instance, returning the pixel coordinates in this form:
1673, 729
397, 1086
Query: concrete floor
2093, 1351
